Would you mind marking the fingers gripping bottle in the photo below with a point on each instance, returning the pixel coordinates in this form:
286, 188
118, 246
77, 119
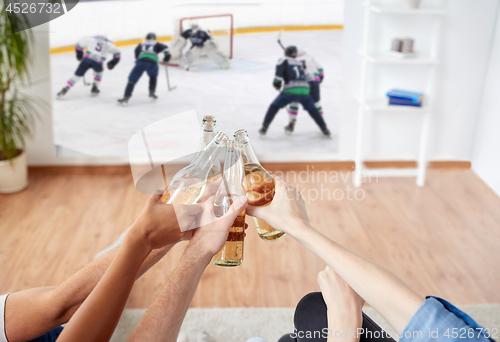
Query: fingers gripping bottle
259, 185
188, 184
230, 190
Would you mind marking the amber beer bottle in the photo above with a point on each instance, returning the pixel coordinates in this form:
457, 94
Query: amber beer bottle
230, 190
259, 185
189, 183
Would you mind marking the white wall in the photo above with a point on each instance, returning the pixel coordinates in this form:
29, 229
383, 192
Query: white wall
486, 158
466, 38
122, 20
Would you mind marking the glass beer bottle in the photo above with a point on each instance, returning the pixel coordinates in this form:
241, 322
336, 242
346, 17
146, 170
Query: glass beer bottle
207, 134
259, 185
230, 190
188, 184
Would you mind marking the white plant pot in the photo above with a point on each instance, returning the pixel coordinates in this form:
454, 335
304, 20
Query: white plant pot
14, 175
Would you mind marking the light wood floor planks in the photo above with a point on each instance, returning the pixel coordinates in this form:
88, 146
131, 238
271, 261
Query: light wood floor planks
443, 239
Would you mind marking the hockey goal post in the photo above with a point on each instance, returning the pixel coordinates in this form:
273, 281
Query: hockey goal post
220, 27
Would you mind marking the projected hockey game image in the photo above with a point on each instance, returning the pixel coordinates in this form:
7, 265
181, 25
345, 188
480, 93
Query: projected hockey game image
112, 78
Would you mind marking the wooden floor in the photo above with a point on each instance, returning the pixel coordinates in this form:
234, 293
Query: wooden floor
443, 239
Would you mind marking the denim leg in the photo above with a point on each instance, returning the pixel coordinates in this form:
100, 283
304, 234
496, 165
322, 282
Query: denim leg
51, 336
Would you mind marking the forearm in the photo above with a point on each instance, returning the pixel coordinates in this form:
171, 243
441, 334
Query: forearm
163, 319
31, 313
383, 290
343, 328
68, 296
109, 296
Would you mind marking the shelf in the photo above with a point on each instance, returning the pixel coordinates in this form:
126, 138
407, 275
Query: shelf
406, 11
385, 58
381, 105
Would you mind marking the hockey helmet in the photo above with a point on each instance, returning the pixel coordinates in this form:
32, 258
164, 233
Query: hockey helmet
291, 51
151, 36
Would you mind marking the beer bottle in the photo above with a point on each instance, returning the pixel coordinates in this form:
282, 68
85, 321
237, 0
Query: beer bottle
259, 185
208, 132
189, 183
230, 190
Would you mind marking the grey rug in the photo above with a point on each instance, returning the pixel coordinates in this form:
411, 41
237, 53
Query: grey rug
240, 324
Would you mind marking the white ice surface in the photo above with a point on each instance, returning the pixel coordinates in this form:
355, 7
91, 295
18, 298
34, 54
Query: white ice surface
238, 98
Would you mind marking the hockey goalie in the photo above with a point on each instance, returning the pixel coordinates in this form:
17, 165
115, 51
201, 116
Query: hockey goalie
202, 44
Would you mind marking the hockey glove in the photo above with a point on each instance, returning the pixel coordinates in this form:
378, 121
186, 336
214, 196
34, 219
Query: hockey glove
321, 78
79, 55
277, 84
167, 57
112, 63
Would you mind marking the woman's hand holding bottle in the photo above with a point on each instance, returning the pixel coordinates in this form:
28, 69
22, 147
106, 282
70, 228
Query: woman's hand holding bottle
287, 212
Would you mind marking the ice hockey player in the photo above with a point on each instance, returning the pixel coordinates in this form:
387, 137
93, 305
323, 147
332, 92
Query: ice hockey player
146, 54
201, 44
314, 76
93, 58
290, 76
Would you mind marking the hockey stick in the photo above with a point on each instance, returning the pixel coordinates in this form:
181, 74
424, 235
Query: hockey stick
279, 39
168, 79
85, 81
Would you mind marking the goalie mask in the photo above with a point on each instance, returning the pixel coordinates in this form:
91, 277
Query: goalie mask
151, 36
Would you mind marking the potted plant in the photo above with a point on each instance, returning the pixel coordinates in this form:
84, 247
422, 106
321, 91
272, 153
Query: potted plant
17, 110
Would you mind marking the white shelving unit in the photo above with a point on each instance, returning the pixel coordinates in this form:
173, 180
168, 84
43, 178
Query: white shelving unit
367, 105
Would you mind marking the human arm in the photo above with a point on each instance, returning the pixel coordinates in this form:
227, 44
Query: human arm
79, 47
321, 73
382, 289
279, 74
34, 312
162, 48
116, 57
164, 317
155, 228
344, 306
137, 51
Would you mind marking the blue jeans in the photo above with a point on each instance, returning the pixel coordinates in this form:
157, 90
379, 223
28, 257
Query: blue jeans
87, 64
51, 336
285, 99
140, 67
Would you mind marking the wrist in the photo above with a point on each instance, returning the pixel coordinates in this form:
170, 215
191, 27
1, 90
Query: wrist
198, 254
301, 230
137, 239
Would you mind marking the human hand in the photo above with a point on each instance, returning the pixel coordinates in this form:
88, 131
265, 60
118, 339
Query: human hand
287, 211
212, 233
161, 224
344, 305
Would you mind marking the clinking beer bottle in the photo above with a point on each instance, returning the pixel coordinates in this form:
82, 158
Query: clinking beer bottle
230, 190
259, 185
189, 183
207, 134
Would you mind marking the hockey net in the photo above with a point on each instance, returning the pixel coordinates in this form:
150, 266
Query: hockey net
220, 27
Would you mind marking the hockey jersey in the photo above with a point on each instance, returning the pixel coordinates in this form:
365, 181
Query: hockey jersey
197, 37
97, 48
312, 68
291, 72
149, 50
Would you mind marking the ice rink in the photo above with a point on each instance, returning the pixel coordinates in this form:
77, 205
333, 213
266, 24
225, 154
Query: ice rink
238, 98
